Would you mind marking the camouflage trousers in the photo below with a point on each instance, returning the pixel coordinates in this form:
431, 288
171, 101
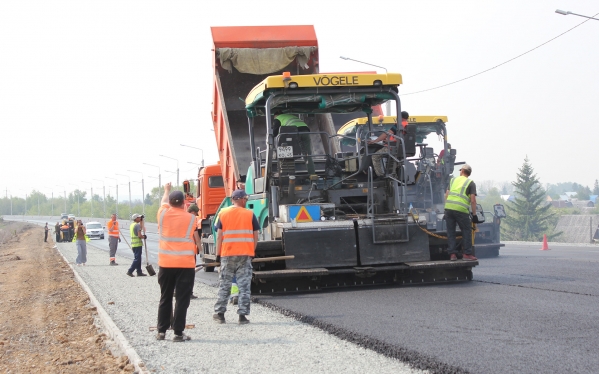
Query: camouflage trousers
240, 267
377, 162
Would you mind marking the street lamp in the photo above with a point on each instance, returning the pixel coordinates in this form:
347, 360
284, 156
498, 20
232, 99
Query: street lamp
65, 198
566, 12
183, 145
143, 192
71, 184
388, 104
116, 204
159, 180
177, 167
92, 197
124, 175
52, 201
103, 196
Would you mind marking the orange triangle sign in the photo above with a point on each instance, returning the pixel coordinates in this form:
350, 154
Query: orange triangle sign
303, 215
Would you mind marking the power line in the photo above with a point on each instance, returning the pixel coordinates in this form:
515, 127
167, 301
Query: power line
503, 63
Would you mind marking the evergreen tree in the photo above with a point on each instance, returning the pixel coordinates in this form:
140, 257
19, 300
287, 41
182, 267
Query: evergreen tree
596, 188
529, 215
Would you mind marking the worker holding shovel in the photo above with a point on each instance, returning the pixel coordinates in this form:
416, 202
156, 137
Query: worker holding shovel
136, 245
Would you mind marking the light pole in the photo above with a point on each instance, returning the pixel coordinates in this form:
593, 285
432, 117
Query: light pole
116, 204
124, 175
159, 179
566, 12
91, 201
189, 146
52, 201
65, 198
388, 104
177, 167
78, 212
103, 196
143, 192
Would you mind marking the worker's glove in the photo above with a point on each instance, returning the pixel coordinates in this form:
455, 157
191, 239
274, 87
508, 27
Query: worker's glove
475, 219
119, 240
145, 236
217, 259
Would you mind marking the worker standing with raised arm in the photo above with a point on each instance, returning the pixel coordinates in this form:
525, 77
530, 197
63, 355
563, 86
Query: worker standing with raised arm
460, 195
238, 230
114, 238
177, 261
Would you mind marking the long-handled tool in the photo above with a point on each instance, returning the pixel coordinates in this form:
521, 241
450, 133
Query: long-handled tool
149, 267
125, 239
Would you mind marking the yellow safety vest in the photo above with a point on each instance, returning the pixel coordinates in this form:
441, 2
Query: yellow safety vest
457, 199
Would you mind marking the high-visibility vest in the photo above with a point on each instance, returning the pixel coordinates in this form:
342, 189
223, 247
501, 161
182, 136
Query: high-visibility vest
238, 232
457, 199
113, 228
290, 120
176, 248
135, 240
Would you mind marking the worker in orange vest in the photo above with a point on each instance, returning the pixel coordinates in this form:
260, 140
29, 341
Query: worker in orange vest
376, 157
177, 262
238, 230
114, 238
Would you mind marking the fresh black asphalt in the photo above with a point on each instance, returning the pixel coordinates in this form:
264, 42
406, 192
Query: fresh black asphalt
527, 311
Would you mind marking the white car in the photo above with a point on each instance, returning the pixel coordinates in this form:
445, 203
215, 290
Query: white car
94, 230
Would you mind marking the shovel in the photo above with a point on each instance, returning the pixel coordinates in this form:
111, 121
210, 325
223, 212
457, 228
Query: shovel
149, 267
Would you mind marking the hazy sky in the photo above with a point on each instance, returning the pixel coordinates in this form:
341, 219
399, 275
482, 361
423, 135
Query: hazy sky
90, 89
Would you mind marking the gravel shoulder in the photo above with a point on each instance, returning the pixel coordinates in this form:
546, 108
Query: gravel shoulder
46, 322
272, 342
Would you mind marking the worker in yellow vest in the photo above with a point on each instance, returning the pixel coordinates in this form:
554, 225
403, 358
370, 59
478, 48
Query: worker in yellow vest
459, 197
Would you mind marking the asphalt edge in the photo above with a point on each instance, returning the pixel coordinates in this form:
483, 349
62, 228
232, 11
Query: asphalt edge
113, 331
407, 356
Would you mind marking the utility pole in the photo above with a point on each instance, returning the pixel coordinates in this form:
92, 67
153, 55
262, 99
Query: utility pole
143, 193
159, 180
124, 175
116, 204
92, 197
177, 167
103, 196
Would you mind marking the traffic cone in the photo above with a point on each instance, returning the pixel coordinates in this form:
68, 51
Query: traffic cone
545, 246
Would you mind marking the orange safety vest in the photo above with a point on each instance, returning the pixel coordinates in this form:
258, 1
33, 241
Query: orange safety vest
238, 232
176, 247
113, 228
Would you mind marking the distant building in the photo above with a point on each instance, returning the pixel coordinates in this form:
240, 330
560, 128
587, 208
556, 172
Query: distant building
560, 204
508, 197
593, 198
583, 203
570, 194
577, 228
564, 197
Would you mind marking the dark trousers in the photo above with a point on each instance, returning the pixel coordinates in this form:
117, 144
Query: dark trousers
65, 236
453, 217
171, 280
45, 236
136, 265
57, 236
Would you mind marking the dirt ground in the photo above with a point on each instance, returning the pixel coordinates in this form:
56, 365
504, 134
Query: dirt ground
46, 321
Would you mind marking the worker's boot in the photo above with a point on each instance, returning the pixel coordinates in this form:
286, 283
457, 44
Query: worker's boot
113, 263
219, 317
243, 320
